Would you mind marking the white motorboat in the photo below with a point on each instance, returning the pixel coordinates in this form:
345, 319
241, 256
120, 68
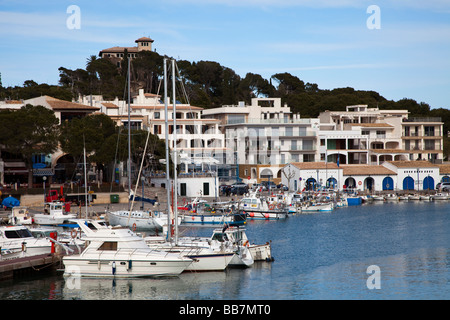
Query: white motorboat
18, 241
440, 196
391, 197
234, 238
20, 216
119, 252
257, 208
55, 214
413, 197
204, 259
378, 198
425, 197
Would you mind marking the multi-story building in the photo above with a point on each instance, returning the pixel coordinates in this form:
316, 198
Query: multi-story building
422, 139
265, 135
384, 135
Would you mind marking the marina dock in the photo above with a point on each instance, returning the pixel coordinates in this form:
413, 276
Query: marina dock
13, 268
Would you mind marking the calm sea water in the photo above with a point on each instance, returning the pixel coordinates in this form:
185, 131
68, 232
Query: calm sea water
317, 256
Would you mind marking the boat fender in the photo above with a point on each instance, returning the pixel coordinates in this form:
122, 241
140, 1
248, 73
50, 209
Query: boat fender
266, 216
203, 218
130, 264
24, 246
114, 268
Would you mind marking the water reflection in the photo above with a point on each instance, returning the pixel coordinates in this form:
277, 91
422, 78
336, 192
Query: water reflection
317, 256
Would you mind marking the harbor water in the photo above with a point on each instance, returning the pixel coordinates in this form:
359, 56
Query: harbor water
371, 251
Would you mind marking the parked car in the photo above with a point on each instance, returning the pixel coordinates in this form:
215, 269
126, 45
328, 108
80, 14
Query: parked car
445, 186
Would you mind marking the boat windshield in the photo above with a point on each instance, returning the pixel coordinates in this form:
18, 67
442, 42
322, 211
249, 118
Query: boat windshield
15, 234
220, 236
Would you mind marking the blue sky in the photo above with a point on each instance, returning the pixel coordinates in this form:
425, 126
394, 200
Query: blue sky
321, 41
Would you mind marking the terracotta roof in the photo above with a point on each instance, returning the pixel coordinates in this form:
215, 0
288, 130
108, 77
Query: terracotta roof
152, 95
413, 164
120, 50
444, 168
364, 170
110, 105
144, 39
57, 104
13, 102
315, 165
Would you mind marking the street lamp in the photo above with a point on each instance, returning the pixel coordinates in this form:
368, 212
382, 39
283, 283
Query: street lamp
44, 178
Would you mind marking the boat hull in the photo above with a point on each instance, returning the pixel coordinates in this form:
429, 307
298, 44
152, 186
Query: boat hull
122, 267
45, 219
354, 201
213, 219
209, 262
261, 252
318, 208
135, 223
265, 215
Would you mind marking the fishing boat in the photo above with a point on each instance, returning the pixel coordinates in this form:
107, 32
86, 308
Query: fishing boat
18, 241
237, 235
20, 216
119, 252
317, 206
201, 212
54, 214
354, 200
257, 208
230, 238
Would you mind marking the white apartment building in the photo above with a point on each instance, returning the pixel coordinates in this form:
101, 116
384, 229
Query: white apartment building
196, 138
264, 136
385, 135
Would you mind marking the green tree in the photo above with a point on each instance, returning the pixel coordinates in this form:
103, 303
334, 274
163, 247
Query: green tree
28, 131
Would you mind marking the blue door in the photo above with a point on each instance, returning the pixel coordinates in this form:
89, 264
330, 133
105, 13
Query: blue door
388, 183
331, 183
311, 184
428, 183
408, 183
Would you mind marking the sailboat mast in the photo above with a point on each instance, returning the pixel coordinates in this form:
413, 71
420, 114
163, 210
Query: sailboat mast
175, 155
129, 138
85, 178
166, 117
